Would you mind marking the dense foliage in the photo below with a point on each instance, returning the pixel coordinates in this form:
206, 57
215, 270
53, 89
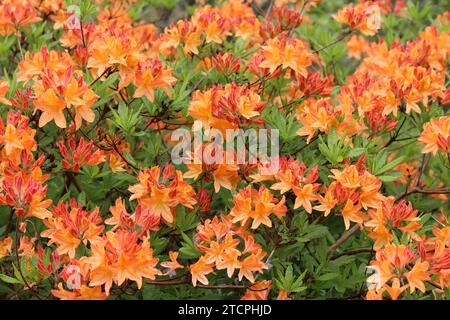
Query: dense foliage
92, 205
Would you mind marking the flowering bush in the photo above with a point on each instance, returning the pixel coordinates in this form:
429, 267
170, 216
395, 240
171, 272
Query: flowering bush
96, 202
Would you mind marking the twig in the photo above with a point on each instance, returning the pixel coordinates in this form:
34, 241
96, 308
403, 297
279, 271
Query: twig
71, 176
343, 238
116, 149
395, 135
269, 9
417, 188
426, 158
422, 191
339, 39
19, 268
351, 252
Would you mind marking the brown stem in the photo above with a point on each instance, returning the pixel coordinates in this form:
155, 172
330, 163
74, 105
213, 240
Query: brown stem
71, 176
343, 238
19, 268
351, 252
339, 39
395, 135
116, 149
85, 135
426, 158
82, 34
422, 191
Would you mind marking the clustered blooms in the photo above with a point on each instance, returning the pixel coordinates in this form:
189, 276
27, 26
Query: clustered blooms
81, 153
219, 240
15, 15
256, 205
95, 208
436, 136
57, 86
161, 194
226, 107
364, 17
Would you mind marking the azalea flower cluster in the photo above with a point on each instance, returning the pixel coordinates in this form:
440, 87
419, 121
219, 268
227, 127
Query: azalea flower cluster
93, 207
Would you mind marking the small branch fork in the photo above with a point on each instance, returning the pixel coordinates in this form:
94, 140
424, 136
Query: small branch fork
417, 189
343, 238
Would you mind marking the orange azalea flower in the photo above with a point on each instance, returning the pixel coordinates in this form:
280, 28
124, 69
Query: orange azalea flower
315, 115
394, 263
160, 196
26, 247
10, 140
436, 135
69, 228
211, 23
356, 46
257, 205
283, 295
199, 270
252, 263
114, 160
224, 175
229, 260
81, 153
37, 62
355, 188
381, 235
327, 203
22, 187
394, 216
244, 65
5, 247
4, 87
304, 196
57, 85
292, 174
352, 213
118, 211
16, 14
312, 85
201, 106
383, 273
224, 107
365, 17
118, 256
151, 75
395, 290
52, 108
84, 293
258, 291
374, 294
184, 33
417, 275
219, 240
349, 177
173, 264
83, 108
141, 221
287, 53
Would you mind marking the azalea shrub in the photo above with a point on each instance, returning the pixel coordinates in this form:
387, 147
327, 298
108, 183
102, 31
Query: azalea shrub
95, 97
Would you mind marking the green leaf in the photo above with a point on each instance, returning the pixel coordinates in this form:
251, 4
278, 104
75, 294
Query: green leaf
189, 250
327, 276
9, 279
